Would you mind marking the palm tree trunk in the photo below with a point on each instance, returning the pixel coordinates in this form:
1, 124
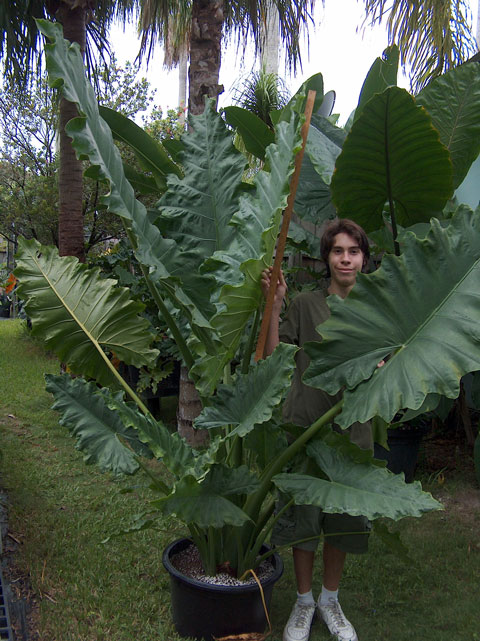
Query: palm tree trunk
270, 39
70, 176
205, 53
477, 33
189, 407
182, 84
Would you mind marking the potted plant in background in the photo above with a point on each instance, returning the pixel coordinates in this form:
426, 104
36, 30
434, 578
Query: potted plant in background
162, 380
7, 296
201, 253
4, 305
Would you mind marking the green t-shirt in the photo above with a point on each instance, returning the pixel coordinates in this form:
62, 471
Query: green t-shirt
304, 404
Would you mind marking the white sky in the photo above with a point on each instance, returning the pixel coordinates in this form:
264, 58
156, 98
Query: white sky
338, 49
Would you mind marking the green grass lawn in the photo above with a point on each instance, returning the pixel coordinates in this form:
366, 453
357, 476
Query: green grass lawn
61, 510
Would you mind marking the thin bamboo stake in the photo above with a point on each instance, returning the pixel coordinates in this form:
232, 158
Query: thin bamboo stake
282, 239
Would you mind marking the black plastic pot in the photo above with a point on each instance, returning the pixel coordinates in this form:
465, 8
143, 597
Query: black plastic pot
204, 611
404, 444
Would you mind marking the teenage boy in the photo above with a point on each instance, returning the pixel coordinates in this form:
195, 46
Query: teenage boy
344, 248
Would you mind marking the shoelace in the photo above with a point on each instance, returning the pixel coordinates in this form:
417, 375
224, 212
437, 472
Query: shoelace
302, 615
338, 616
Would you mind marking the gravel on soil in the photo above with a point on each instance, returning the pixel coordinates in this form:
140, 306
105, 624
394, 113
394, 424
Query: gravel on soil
189, 563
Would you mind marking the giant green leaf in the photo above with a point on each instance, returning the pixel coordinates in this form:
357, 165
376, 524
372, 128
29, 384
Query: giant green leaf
97, 428
230, 481
256, 224
254, 396
200, 503
324, 144
453, 102
313, 201
150, 153
322, 149
422, 308
355, 488
392, 153
196, 211
266, 442
171, 448
80, 315
256, 135
142, 183
298, 101
382, 74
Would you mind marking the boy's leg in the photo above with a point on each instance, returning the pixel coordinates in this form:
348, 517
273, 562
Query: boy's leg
333, 562
301, 617
301, 522
303, 564
329, 608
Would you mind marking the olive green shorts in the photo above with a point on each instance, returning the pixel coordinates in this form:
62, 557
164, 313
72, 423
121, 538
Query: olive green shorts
343, 531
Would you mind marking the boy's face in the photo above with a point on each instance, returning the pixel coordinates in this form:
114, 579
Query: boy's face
345, 260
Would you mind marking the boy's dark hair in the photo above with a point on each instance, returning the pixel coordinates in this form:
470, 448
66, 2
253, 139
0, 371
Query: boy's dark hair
343, 226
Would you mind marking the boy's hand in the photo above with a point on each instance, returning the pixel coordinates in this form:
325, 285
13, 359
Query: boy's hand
281, 286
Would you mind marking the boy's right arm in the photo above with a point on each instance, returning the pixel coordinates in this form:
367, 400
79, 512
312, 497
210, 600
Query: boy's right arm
273, 335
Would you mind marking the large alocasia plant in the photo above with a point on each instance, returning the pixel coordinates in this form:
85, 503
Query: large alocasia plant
202, 251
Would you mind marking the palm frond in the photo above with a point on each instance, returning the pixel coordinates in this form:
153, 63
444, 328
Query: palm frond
433, 35
168, 22
244, 18
19, 37
20, 40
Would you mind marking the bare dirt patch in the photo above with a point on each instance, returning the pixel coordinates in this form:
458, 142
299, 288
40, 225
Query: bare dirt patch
464, 505
446, 453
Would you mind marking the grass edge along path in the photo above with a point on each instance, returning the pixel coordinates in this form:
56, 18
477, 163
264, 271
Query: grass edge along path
60, 510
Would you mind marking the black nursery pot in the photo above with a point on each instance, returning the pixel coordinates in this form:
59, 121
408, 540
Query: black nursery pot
204, 611
404, 445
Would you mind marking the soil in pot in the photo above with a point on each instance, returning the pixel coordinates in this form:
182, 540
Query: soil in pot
203, 608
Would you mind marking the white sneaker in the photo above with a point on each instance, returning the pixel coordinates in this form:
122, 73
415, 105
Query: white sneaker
339, 626
299, 624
